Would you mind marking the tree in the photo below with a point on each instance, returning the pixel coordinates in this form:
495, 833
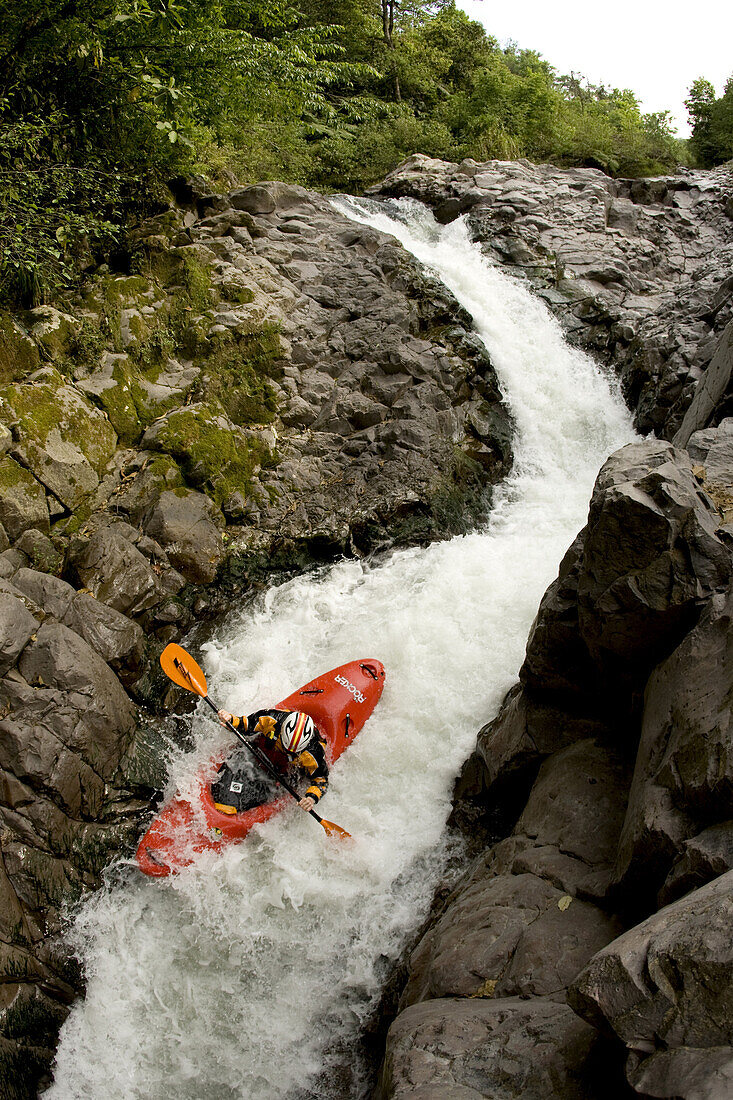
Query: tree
699, 104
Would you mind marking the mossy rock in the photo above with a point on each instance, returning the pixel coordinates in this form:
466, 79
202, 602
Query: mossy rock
19, 355
49, 404
210, 450
237, 373
54, 332
22, 499
236, 293
63, 439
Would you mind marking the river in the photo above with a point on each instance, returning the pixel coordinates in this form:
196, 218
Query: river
252, 973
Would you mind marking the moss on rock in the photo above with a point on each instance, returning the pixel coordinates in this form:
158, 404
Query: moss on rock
237, 373
19, 354
49, 405
209, 449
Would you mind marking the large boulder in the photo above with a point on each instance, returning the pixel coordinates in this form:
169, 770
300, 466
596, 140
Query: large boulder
17, 625
523, 922
664, 988
188, 525
526, 730
66, 720
111, 634
683, 779
51, 593
511, 1049
703, 858
116, 573
62, 439
710, 389
22, 499
650, 555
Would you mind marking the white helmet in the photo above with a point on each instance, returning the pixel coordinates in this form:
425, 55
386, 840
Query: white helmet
297, 732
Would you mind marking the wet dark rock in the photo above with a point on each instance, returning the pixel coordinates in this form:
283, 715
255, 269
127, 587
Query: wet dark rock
665, 987
17, 625
633, 583
535, 889
683, 779
117, 639
703, 858
117, 574
464, 1049
188, 525
711, 389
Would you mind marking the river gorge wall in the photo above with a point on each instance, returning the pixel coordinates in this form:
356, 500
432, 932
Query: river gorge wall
267, 385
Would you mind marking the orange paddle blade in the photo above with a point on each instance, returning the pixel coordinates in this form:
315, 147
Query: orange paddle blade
335, 830
181, 668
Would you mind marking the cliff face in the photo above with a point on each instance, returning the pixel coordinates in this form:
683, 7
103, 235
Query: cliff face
595, 938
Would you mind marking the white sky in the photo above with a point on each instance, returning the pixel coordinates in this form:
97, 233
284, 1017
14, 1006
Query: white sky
656, 49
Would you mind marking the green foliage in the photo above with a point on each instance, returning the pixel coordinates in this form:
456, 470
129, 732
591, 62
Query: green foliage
102, 101
712, 123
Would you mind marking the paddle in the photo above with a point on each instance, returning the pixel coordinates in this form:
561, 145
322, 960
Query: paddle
181, 668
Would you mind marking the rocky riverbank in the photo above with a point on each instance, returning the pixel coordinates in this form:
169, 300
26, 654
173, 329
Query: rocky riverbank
588, 954
265, 385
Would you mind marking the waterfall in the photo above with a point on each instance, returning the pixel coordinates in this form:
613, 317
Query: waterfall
250, 974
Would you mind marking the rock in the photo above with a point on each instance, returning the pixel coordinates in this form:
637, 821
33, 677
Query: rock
517, 924
78, 700
635, 579
711, 451
110, 634
19, 353
265, 198
665, 986
55, 332
17, 626
703, 858
187, 524
63, 440
454, 1049
49, 592
651, 553
40, 551
141, 491
526, 730
557, 660
710, 389
22, 499
117, 574
691, 1074
496, 936
683, 778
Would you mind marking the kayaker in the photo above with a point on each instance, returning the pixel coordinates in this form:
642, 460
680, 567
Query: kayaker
289, 739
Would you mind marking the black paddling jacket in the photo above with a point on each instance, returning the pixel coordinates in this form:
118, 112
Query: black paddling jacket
265, 725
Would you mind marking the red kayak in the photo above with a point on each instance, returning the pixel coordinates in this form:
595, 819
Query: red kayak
339, 702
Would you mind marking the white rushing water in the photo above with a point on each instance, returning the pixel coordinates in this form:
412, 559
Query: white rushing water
249, 974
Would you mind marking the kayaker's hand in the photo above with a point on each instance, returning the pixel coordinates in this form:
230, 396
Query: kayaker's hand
225, 716
307, 804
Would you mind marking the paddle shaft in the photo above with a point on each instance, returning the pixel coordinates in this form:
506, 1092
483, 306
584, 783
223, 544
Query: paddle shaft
262, 759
